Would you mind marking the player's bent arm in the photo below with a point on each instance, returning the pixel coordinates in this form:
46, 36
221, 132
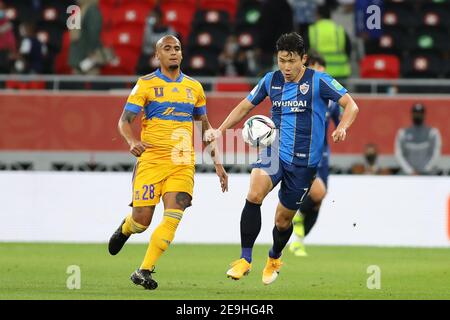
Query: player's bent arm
214, 152
349, 115
206, 126
124, 125
350, 111
235, 116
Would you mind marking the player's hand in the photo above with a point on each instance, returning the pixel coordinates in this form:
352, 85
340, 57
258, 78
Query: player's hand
222, 174
137, 148
339, 135
211, 135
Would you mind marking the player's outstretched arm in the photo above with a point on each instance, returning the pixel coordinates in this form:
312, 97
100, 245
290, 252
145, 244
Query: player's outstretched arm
136, 147
214, 152
235, 116
349, 115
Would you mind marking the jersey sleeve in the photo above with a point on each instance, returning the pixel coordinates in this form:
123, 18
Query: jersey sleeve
137, 98
331, 89
200, 104
259, 92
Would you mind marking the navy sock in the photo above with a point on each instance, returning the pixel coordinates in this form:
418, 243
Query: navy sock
309, 211
250, 227
307, 205
310, 220
246, 253
280, 239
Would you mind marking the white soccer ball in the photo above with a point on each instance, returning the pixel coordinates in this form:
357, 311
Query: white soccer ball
259, 131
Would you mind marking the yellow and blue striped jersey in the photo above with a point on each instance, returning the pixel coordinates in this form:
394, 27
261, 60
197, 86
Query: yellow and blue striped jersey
168, 108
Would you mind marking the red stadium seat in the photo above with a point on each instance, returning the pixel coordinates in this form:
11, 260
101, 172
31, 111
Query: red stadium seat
380, 66
125, 36
150, 3
106, 9
179, 15
124, 64
110, 3
131, 13
62, 62
191, 3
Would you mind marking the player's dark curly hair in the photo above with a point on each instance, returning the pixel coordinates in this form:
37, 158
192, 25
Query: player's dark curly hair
314, 57
291, 42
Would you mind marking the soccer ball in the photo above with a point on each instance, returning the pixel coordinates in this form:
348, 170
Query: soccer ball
259, 131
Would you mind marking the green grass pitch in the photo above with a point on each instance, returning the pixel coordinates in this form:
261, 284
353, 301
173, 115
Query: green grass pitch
38, 271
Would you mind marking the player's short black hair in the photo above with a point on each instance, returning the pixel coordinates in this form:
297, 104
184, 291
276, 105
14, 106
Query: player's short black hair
418, 108
291, 42
314, 57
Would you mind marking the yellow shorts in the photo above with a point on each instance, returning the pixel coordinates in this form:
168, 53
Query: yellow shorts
151, 181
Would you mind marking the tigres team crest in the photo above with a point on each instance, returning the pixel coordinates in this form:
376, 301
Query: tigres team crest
304, 87
159, 92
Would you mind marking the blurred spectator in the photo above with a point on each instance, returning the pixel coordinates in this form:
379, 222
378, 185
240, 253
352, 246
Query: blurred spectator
32, 52
276, 19
227, 58
418, 147
332, 42
154, 30
235, 61
304, 14
370, 164
86, 53
7, 40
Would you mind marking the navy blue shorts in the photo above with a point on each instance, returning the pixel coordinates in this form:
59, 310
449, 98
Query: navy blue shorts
295, 180
323, 170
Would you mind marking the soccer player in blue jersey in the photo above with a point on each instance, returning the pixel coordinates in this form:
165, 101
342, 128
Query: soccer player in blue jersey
308, 212
299, 97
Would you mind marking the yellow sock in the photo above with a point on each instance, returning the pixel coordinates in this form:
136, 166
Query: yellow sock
162, 237
130, 226
299, 225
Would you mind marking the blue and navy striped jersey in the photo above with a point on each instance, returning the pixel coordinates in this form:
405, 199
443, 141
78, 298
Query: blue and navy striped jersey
298, 111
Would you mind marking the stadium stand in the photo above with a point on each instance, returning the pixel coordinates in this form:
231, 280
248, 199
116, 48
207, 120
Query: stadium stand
417, 33
246, 25
414, 44
410, 30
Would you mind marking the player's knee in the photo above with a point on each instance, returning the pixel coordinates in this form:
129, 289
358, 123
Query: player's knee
282, 222
183, 200
318, 194
255, 196
143, 215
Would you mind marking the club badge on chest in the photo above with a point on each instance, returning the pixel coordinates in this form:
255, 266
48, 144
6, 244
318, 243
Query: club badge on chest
304, 88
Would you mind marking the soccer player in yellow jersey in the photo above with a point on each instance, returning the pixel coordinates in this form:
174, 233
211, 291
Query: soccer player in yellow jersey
170, 101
